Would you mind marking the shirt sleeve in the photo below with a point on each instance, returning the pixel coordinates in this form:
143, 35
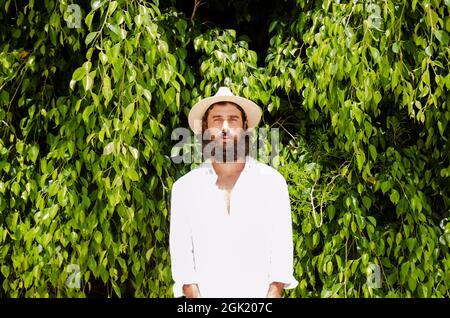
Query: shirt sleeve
281, 241
180, 243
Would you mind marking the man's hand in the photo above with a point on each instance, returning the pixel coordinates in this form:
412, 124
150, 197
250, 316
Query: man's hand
191, 291
275, 290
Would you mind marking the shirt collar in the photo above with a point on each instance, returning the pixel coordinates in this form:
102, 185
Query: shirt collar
207, 165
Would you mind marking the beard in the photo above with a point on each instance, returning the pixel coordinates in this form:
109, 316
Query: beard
232, 149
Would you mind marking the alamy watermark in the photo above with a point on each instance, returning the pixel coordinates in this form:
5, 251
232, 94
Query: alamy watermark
73, 16
373, 276
74, 279
374, 19
261, 144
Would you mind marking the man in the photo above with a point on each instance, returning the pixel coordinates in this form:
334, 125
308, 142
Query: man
230, 227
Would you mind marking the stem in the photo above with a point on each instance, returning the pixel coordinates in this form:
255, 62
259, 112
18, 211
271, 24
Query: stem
197, 4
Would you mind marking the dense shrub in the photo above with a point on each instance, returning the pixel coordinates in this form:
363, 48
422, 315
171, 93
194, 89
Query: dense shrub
357, 89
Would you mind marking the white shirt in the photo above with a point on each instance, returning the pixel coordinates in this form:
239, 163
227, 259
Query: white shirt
237, 254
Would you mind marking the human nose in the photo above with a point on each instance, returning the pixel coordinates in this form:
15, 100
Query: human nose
225, 126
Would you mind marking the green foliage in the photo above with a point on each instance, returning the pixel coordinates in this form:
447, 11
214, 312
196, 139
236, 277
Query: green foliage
85, 180
372, 77
359, 91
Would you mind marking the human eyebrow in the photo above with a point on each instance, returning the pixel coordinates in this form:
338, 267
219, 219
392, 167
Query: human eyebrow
221, 117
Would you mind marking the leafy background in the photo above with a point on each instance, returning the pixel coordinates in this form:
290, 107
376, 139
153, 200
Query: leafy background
358, 90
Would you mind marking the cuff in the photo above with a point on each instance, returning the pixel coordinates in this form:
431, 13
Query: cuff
288, 281
178, 288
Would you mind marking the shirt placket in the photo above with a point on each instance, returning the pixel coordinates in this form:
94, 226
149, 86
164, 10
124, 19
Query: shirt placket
220, 193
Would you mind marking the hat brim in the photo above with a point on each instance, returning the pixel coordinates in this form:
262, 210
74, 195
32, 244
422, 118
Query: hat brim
252, 111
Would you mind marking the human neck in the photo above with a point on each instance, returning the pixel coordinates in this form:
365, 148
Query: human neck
228, 168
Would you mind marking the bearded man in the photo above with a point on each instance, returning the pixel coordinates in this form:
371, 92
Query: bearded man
230, 225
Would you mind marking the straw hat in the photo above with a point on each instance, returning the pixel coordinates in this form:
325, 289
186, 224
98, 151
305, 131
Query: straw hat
224, 94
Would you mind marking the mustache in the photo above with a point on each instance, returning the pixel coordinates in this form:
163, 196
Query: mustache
217, 139
226, 135
212, 135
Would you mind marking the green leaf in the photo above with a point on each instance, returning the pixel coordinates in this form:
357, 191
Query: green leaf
412, 282
181, 26
79, 74
109, 148
353, 226
15, 187
128, 112
331, 211
360, 158
5, 270
53, 189
375, 54
394, 196
426, 77
326, 293
98, 237
386, 186
134, 152
19, 146
367, 202
88, 19
103, 58
329, 268
147, 95
92, 264
116, 289
55, 20
395, 77
272, 26
114, 28
159, 235
442, 36
148, 254
62, 195
153, 183
169, 96
106, 89
154, 127
33, 153
132, 174
396, 47
88, 81
404, 269
112, 7
416, 204
373, 152
87, 112
316, 239
360, 188
365, 259
441, 128
90, 37
163, 73
306, 226
411, 242
372, 220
